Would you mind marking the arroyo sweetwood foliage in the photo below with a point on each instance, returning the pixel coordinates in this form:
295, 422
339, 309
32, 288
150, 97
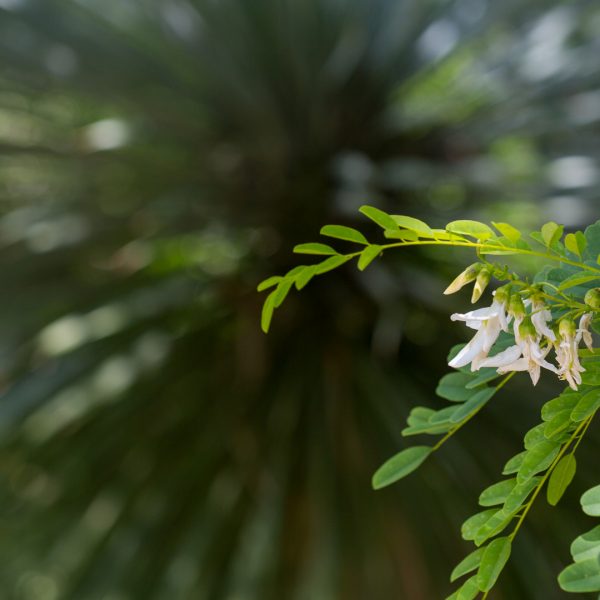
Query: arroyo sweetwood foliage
528, 319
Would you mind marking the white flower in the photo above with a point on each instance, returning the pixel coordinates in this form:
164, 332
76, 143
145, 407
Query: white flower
583, 331
516, 309
504, 358
487, 322
501, 299
526, 355
567, 353
540, 316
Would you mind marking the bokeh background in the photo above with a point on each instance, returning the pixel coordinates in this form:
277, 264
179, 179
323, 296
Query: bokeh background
158, 158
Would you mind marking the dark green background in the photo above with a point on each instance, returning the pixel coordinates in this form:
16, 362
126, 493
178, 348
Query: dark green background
158, 159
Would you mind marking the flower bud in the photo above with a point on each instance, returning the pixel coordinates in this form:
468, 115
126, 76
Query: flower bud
516, 308
527, 329
592, 298
483, 278
468, 275
567, 328
502, 294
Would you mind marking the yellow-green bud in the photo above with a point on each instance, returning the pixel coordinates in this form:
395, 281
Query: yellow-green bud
468, 275
481, 283
567, 328
503, 294
527, 329
592, 298
536, 298
516, 308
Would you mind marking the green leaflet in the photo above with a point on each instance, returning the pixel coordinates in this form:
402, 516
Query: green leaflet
519, 494
419, 415
474, 403
368, 255
581, 577
427, 420
534, 436
571, 244
267, 312
592, 237
497, 493
559, 423
333, 262
561, 478
586, 546
474, 229
378, 216
566, 401
400, 465
591, 378
413, 224
514, 463
444, 415
588, 404
538, 237
282, 291
539, 458
508, 231
427, 428
467, 591
492, 562
453, 387
493, 526
551, 233
269, 282
405, 235
341, 232
442, 234
314, 248
303, 278
468, 564
590, 502
472, 525
577, 279
486, 375
576, 243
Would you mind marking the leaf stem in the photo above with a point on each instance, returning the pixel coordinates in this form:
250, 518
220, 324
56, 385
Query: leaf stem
458, 426
580, 431
484, 246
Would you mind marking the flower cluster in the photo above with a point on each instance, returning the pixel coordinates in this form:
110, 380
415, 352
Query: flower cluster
527, 316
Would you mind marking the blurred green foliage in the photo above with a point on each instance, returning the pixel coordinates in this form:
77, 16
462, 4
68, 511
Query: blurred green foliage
158, 158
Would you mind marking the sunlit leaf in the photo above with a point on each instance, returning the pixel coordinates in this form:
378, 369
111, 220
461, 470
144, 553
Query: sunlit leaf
551, 233
378, 216
341, 232
368, 255
475, 229
510, 232
414, 225
314, 248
